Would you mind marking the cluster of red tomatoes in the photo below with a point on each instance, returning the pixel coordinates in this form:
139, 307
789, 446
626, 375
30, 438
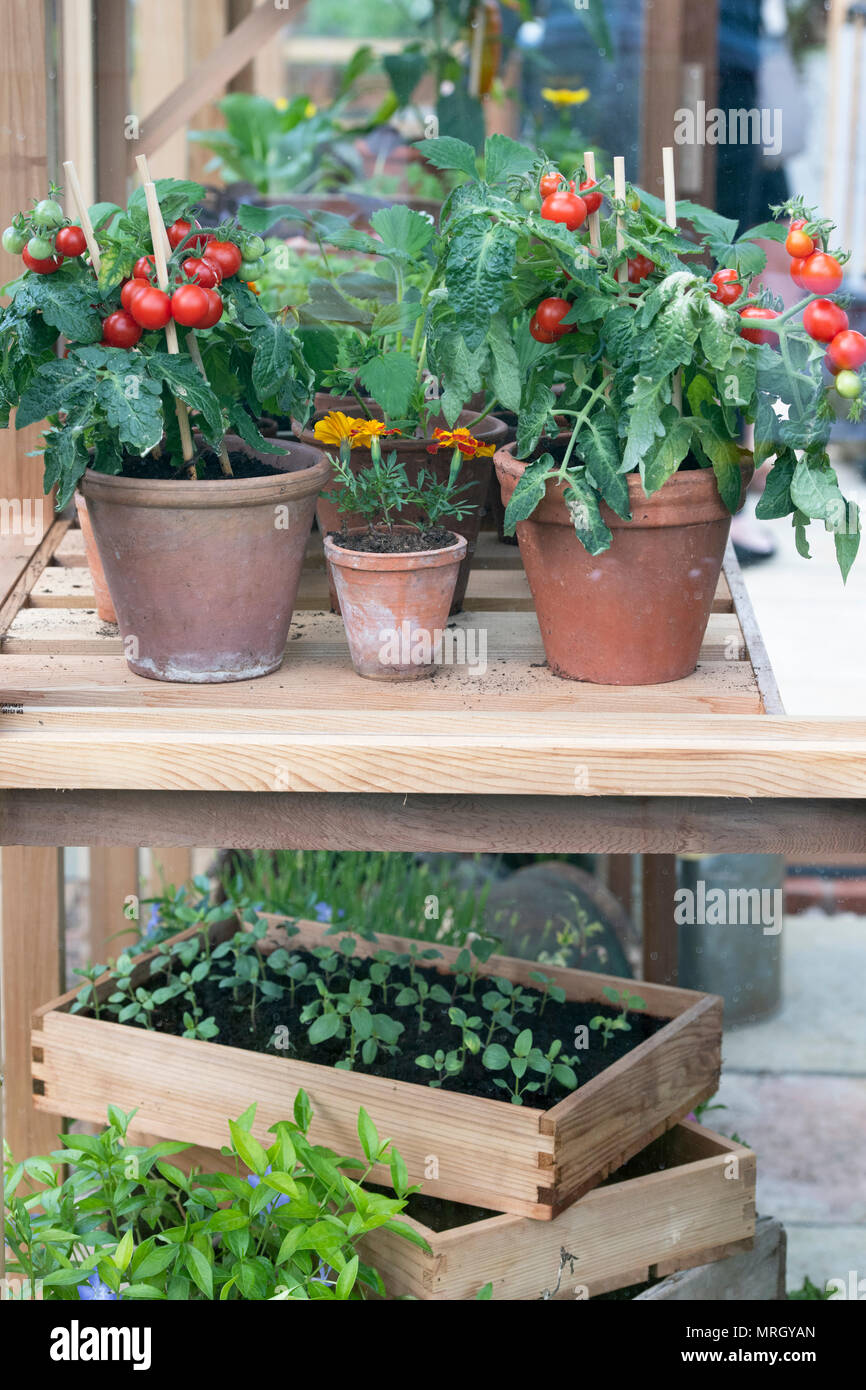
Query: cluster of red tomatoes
194, 303
570, 203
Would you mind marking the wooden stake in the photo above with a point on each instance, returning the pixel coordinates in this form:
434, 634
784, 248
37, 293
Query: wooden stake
619, 194
160, 242
191, 340
594, 217
83, 214
671, 219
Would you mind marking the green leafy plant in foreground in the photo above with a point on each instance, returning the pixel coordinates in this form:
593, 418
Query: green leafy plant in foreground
119, 1221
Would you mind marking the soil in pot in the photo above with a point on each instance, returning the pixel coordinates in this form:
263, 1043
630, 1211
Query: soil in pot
397, 542
204, 572
258, 1033
634, 614
413, 453
394, 602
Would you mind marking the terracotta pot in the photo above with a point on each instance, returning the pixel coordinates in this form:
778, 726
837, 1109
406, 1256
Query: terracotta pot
637, 613
323, 401
413, 453
394, 605
204, 575
494, 495
104, 606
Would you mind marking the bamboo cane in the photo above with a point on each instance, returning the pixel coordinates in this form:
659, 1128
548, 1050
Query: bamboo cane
83, 214
619, 194
191, 340
671, 219
160, 241
594, 217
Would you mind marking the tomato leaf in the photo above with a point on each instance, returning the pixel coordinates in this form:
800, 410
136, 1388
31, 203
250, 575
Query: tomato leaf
478, 267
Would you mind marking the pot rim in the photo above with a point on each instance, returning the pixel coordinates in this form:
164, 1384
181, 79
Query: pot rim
403, 560
216, 493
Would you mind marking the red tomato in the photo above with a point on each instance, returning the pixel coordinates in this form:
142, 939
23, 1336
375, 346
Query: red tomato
798, 244
144, 268
822, 274
549, 316
822, 320
46, 267
150, 307
797, 272
129, 289
639, 268
593, 200
215, 310
541, 335
758, 335
204, 273
847, 351
120, 330
725, 286
70, 241
189, 305
225, 256
551, 183
564, 207
182, 228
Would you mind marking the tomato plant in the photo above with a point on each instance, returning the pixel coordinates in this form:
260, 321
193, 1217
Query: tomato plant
41, 267
48, 213
639, 267
822, 320
70, 241
552, 182
129, 289
548, 320
39, 248
849, 385
206, 274
121, 330
567, 208
214, 311
144, 268
798, 244
591, 197
14, 240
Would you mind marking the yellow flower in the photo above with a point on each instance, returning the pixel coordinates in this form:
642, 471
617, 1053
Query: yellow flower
564, 96
334, 428
310, 110
365, 431
281, 104
461, 439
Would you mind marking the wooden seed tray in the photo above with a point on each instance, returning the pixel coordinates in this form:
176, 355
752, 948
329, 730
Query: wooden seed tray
488, 1153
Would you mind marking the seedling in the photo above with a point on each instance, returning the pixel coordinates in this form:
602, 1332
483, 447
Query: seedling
204, 1028
553, 1066
470, 1040
380, 971
497, 1005
86, 997
624, 1001
526, 1056
469, 960
420, 995
549, 991
444, 1064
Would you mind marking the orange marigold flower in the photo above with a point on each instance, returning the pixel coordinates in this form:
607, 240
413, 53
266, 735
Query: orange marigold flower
334, 427
363, 432
462, 439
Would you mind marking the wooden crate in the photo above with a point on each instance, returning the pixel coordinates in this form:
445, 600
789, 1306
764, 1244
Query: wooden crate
486, 1152
700, 1208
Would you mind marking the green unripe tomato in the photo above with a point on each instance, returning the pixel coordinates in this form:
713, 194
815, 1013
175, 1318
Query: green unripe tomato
253, 248
14, 241
40, 248
849, 385
530, 201
48, 213
251, 270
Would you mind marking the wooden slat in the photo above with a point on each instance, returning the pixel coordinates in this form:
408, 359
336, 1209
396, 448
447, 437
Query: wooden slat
757, 1276
754, 642
168, 866
660, 944
160, 69
207, 21
113, 105
31, 953
113, 879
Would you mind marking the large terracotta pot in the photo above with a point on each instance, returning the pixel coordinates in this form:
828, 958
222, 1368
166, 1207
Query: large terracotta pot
104, 606
413, 453
394, 606
204, 575
637, 613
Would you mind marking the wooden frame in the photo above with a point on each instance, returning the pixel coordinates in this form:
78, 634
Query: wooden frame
699, 1209
488, 1152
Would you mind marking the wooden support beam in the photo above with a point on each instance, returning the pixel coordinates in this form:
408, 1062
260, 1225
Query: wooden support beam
78, 135
207, 23
113, 105
167, 867
160, 70
113, 880
31, 927
680, 66
660, 945
211, 77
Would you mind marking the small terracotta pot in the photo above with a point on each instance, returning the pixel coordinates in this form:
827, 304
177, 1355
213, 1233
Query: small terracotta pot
204, 575
323, 401
394, 605
494, 495
104, 606
637, 613
413, 453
